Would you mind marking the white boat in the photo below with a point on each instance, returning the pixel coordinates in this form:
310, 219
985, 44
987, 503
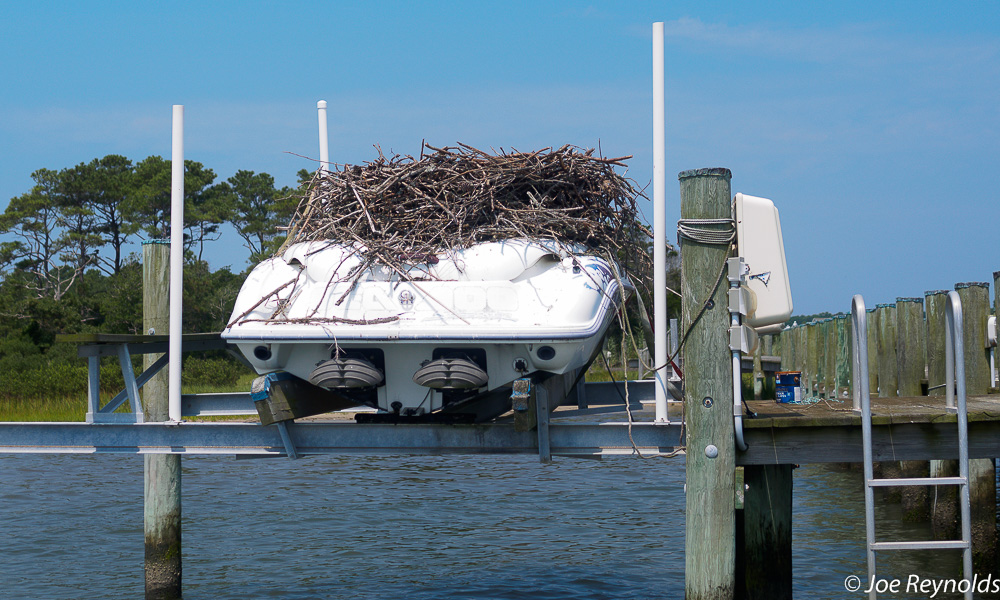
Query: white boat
451, 336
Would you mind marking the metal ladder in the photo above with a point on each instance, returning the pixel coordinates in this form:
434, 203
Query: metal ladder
954, 377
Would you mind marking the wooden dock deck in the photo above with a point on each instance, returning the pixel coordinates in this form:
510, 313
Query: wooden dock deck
903, 428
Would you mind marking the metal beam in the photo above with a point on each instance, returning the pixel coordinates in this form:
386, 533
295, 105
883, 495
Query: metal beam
215, 405
605, 396
331, 438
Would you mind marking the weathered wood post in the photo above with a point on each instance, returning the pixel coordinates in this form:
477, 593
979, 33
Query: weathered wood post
830, 354
910, 349
800, 355
793, 349
844, 341
812, 360
975, 311
770, 346
887, 376
982, 472
782, 347
767, 532
710, 528
910, 346
944, 498
936, 301
885, 318
872, 350
821, 344
161, 472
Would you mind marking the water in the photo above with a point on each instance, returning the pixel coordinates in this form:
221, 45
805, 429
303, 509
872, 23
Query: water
404, 527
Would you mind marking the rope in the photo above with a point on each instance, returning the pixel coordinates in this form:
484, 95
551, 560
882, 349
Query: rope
694, 230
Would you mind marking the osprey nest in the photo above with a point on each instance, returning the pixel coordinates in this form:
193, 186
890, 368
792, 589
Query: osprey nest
403, 209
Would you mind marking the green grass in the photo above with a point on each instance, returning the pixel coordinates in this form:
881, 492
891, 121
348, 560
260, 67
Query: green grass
51, 409
599, 372
74, 408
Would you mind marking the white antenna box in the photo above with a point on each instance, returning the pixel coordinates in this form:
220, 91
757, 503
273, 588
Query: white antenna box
758, 236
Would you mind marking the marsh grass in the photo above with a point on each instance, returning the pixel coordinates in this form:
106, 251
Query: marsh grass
74, 408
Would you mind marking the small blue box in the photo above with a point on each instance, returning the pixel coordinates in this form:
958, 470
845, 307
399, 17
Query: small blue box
785, 394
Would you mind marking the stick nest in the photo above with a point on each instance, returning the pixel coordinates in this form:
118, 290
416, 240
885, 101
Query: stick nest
404, 210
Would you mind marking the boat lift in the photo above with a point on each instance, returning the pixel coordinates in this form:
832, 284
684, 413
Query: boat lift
110, 430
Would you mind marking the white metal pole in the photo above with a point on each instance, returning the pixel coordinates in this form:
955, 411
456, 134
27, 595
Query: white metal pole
659, 230
324, 140
176, 262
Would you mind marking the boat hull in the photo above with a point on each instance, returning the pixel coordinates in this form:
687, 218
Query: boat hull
512, 309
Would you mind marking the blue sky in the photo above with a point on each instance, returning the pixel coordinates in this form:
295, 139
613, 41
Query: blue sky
872, 126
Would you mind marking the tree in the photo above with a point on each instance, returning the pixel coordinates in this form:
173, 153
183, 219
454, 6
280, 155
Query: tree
206, 210
258, 209
149, 204
33, 220
102, 187
80, 237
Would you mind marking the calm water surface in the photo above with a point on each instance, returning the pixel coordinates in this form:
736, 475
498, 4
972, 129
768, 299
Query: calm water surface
404, 527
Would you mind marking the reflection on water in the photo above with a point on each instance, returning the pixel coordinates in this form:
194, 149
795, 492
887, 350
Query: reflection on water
406, 527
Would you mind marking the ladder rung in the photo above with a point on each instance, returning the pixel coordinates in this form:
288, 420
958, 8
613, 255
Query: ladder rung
926, 545
917, 481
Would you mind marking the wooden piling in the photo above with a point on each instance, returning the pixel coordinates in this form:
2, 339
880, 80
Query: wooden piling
820, 350
983, 505
708, 395
812, 360
915, 500
802, 356
822, 327
975, 311
793, 345
910, 351
943, 499
767, 532
887, 374
844, 341
982, 472
910, 345
936, 301
872, 351
161, 472
830, 356
782, 348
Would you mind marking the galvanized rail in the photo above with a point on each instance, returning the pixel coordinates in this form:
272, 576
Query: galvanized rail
252, 439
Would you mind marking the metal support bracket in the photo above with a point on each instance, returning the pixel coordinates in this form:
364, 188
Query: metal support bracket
286, 439
542, 398
106, 414
740, 300
741, 339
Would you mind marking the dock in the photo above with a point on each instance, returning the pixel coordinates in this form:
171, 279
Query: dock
904, 428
